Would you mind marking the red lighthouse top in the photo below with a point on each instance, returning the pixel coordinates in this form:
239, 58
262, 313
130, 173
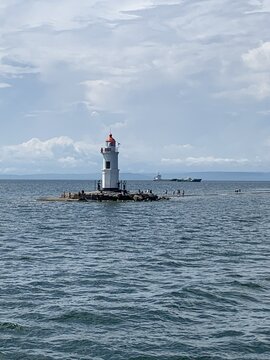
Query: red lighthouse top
110, 140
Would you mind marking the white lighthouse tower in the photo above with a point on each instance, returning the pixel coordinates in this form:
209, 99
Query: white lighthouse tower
110, 171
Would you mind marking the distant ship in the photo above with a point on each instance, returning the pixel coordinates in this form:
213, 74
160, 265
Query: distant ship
189, 179
158, 178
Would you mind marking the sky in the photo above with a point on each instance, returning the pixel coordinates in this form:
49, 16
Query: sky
182, 85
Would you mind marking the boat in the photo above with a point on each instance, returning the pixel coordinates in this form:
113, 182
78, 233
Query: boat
186, 180
189, 179
158, 177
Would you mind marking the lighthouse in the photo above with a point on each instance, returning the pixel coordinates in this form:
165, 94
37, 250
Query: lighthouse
110, 171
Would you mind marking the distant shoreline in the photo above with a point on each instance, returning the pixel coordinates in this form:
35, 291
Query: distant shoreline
205, 176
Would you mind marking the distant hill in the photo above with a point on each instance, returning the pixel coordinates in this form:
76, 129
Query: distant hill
210, 176
233, 176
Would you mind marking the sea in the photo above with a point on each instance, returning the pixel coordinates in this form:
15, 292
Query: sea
180, 279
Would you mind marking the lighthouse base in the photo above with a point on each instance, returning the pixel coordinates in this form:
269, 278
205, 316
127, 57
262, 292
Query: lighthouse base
106, 196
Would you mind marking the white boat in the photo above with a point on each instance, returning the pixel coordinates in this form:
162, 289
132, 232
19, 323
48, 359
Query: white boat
158, 177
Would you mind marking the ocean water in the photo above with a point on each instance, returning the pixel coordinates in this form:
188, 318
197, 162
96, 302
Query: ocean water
182, 279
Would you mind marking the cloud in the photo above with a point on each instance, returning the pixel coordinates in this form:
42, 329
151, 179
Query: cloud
264, 112
255, 82
257, 88
118, 47
101, 94
177, 147
161, 71
205, 161
69, 162
260, 6
258, 58
66, 15
4, 85
53, 154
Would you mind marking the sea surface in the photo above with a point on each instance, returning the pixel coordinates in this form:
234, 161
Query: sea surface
183, 279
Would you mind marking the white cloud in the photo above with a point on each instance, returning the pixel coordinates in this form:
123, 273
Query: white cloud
254, 82
258, 58
177, 147
254, 87
119, 125
4, 85
37, 149
94, 113
69, 161
177, 150
260, 6
208, 160
57, 153
71, 14
105, 95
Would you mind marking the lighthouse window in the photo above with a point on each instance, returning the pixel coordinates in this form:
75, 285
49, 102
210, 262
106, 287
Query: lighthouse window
108, 164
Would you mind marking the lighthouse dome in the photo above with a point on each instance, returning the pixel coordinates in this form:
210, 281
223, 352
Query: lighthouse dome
110, 140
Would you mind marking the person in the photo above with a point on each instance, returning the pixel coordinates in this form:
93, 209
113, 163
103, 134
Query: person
183, 193
82, 195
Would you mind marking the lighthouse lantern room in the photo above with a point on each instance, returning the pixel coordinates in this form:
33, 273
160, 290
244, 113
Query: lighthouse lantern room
110, 171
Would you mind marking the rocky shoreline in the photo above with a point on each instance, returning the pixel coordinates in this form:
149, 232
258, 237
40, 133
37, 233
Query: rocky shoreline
100, 195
